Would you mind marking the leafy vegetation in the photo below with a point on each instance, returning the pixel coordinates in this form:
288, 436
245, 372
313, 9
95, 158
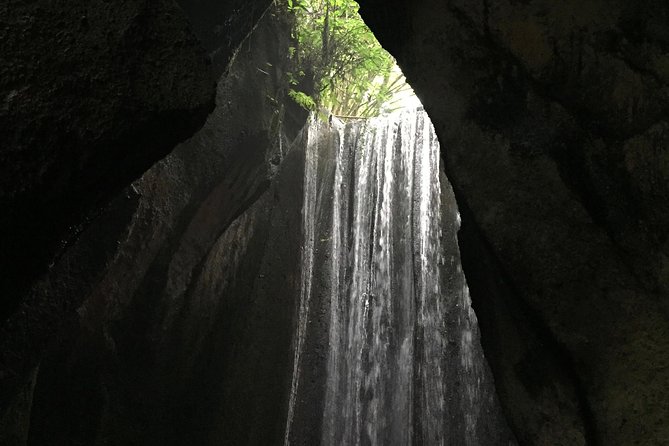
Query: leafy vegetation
352, 74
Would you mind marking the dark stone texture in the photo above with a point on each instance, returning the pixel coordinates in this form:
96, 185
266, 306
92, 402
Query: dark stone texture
486, 419
136, 363
222, 25
553, 122
50, 306
93, 93
552, 118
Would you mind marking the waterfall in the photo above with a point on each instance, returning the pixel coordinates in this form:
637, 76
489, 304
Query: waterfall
308, 235
374, 265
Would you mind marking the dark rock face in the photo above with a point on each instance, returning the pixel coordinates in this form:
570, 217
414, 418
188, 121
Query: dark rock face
123, 370
222, 25
93, 93
201, 358
552, 118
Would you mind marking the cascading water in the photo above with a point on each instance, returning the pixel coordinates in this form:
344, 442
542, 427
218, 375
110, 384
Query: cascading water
390, 305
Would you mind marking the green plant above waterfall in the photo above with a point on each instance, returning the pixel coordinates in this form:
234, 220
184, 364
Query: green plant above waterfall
352, 74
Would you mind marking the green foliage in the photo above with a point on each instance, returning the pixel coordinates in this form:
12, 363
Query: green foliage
303, 100
353, 74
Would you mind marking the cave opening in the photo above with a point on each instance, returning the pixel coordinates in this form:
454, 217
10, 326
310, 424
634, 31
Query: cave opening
289, 275
153, 224
383, 297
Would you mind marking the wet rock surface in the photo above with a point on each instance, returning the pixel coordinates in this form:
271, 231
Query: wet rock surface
122, 369
93, 93
222, 25
551, 118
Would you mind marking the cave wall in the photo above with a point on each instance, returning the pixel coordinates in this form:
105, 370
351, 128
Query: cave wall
110, 374
552, 119
221, 26
93, 93
553, 123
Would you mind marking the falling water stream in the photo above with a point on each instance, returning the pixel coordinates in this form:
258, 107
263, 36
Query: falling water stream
402, 364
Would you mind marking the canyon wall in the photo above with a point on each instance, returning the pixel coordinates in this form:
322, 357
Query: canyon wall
553, 122
119, 360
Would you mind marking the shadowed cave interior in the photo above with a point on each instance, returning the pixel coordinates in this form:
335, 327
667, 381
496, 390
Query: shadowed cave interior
191, 257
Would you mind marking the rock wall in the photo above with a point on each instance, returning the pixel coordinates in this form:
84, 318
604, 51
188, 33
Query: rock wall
147, 358
552, 118
93, 93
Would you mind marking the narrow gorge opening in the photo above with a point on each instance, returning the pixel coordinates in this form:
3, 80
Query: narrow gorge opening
386, 347
289, 275
158, 190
